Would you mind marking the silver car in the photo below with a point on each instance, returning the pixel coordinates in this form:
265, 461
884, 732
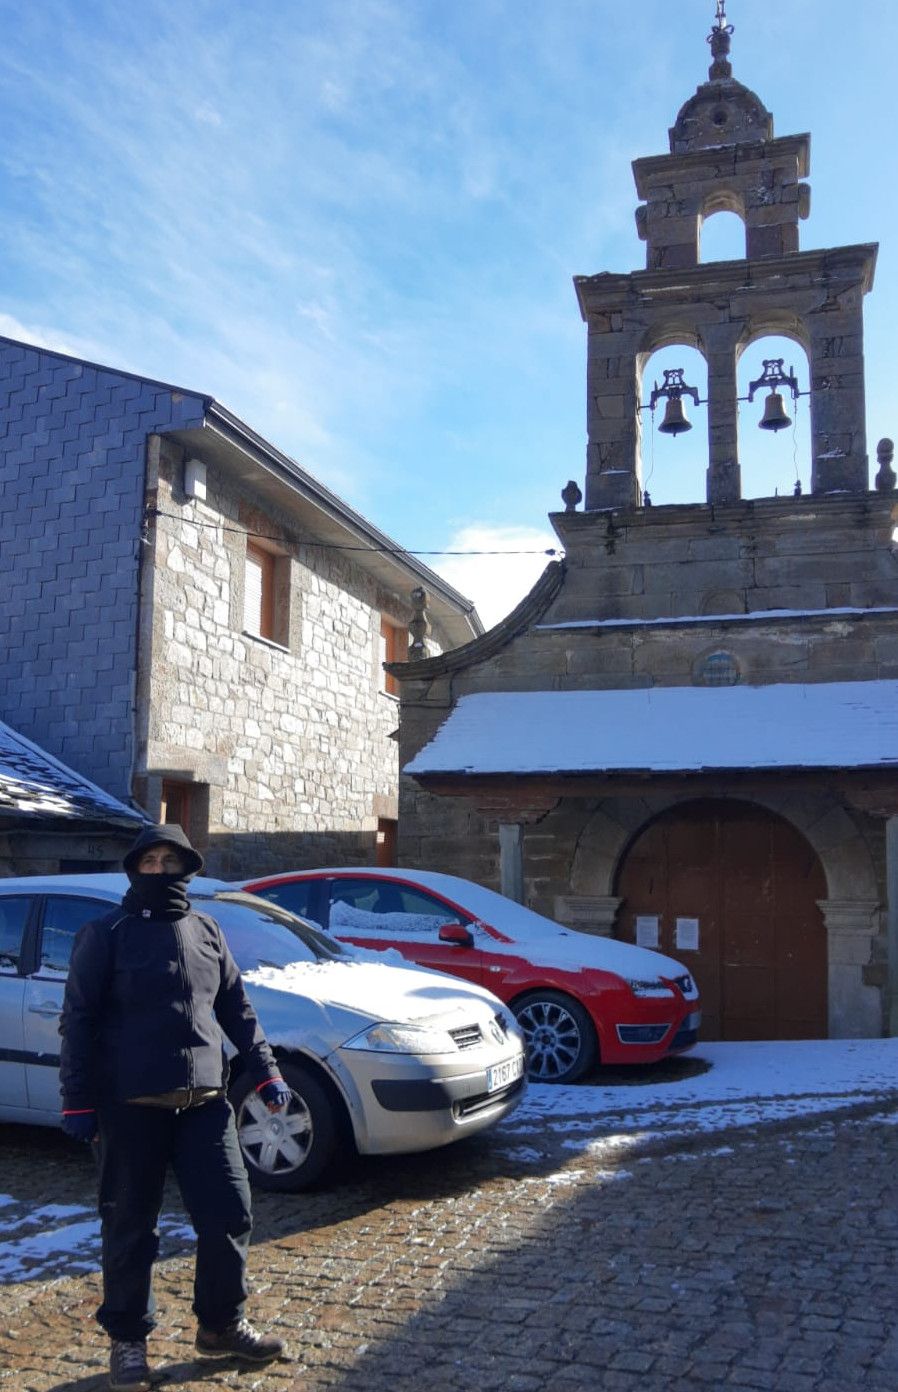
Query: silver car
377, 1053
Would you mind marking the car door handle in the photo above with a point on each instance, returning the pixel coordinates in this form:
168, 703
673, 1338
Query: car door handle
45, 1008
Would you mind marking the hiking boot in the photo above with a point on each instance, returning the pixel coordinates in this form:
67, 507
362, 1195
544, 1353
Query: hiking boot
128, 1369
239, 1340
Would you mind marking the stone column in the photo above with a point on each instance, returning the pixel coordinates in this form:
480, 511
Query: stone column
612, 416
511, 861
837, 396
892, 923
855, 1009
724, 478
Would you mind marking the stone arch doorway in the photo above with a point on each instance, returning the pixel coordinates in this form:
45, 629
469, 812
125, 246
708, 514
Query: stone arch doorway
752, 882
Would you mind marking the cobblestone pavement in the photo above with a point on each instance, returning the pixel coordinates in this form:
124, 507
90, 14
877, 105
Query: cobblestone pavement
760, 1259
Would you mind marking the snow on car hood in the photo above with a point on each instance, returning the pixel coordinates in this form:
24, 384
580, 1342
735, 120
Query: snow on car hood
378, 990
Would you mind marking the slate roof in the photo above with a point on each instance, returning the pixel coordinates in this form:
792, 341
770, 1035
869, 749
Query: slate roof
34, 784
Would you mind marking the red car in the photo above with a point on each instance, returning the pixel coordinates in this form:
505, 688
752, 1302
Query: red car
579, 999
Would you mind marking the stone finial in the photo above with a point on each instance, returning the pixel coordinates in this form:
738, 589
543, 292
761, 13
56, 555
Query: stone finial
885, 478
570, 496
719, 38
420, 624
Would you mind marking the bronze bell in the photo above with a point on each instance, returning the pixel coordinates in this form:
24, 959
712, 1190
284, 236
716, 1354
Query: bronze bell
675, 419
775, 417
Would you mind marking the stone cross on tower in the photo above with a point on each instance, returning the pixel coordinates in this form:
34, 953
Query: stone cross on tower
724, 157
719, 39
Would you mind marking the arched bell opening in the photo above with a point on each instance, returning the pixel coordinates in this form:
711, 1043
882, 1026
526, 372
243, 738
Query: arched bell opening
674, 432
774, 419
722, 235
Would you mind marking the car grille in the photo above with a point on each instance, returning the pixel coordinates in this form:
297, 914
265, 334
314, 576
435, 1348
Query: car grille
467, 1036
471, 1105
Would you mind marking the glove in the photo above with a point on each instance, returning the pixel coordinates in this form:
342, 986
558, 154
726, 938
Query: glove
275, 1094
81, 1126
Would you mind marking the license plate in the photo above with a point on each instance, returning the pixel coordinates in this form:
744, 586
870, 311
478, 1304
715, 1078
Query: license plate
501, 1074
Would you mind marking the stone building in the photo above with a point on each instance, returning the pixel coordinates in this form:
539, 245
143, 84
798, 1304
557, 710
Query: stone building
192, 621
684, 736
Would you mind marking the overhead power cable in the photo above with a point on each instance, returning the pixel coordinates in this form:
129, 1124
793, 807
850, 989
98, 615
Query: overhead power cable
152, 513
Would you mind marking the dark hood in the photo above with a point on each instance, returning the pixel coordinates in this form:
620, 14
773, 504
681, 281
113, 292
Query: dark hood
169, 835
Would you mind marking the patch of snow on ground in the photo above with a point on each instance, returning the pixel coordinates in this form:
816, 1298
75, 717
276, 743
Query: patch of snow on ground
747, 1084
64, 1239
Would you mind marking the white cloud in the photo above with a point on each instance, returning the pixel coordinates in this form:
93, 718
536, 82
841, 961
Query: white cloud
498, 580
54, 339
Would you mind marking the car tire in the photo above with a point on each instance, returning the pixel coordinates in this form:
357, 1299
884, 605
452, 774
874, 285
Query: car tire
289, 1150
561, 1038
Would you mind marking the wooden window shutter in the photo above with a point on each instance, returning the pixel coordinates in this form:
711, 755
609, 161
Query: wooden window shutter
393, 648
258, 592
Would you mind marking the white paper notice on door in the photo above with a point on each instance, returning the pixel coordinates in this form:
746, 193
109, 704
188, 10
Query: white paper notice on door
647, 930
687, 935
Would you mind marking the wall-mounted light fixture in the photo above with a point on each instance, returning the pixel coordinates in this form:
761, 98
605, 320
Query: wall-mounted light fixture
195, 479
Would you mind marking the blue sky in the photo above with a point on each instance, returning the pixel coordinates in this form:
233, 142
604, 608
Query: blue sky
355, 222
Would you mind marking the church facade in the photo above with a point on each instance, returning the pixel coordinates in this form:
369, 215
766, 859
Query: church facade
684, 736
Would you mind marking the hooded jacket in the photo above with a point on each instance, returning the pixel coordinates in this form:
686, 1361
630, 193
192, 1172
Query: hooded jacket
168, 835
149, 998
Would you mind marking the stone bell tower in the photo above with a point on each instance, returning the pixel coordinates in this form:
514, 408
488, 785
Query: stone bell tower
724, 157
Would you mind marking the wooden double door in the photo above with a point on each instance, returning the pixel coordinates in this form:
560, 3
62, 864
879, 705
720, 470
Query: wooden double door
731, 891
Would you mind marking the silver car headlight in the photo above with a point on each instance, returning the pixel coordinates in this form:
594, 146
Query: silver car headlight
403, 1039
655, 988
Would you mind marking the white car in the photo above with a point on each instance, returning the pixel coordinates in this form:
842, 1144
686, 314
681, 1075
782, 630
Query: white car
379, 1054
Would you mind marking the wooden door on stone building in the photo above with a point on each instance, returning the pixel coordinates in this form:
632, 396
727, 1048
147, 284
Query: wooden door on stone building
732, 891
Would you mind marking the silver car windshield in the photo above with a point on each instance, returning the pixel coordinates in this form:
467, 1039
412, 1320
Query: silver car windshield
261, 934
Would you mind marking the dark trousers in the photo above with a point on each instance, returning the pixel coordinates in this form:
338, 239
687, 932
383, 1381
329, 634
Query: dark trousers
137, 1145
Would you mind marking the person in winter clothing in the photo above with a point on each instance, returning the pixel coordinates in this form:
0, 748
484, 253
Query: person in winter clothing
151, 991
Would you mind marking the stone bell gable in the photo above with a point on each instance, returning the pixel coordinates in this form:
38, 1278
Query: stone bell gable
724, 157
684, 737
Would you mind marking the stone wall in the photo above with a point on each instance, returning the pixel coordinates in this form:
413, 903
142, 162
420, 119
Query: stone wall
292, 739
798, 554
43, 847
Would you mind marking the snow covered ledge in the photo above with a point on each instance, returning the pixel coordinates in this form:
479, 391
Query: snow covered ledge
855, 1008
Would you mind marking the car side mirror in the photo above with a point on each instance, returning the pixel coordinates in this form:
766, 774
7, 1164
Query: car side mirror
457, 934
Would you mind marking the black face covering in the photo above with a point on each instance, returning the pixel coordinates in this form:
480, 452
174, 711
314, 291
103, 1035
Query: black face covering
157, 896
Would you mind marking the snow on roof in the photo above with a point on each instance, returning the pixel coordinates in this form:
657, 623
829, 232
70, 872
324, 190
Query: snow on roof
757, 616
682, 728
33, 783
